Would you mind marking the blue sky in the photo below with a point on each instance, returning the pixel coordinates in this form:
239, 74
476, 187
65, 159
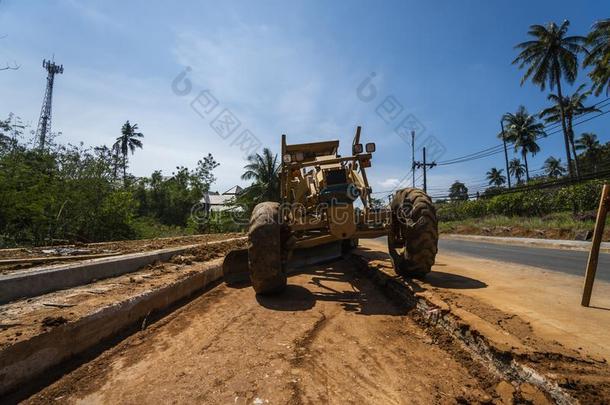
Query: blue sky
283, 67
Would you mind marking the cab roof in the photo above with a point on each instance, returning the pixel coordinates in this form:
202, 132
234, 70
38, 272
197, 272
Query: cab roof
318, 148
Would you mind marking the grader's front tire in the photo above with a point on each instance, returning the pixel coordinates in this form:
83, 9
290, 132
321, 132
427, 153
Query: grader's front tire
413, 237
265, 250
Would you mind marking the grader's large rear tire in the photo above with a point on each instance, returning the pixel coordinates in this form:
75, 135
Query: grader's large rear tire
266, 250
413, 236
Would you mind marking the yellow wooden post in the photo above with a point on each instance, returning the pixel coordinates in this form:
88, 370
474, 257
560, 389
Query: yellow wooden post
597, 240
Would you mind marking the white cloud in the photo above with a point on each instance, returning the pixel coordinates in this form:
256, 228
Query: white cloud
389, 183
274, 84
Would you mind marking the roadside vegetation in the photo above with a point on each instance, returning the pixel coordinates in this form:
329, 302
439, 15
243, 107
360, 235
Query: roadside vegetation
71, 193
541, 213
558, 199
560, 225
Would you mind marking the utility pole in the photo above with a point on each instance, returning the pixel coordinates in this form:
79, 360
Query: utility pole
505, 151
424, 165
413, 156
44, 122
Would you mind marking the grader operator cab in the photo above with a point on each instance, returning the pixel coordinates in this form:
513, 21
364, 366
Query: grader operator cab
326, 198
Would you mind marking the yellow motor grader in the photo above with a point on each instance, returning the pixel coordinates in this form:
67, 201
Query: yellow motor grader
326, 198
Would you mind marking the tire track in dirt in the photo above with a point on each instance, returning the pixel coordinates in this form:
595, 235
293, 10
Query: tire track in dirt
331, 337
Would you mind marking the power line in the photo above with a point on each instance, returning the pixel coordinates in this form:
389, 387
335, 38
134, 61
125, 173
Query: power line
605, 102
549, 184
493, 150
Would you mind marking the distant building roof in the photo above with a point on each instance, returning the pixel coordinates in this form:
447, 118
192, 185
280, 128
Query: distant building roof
220, 202
235, 190
219, 199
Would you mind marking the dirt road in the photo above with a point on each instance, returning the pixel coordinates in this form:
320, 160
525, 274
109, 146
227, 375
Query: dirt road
548, 301
334, 337
330, 338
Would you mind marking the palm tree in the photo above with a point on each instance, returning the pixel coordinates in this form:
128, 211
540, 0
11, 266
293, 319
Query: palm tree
496, 177
573, 107
263, 169
599, 55
553, 167
523, 130
549, 57
587, 142
591, 147
503, 136
127, 142
516, 168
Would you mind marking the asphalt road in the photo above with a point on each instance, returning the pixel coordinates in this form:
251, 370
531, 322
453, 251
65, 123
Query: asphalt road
565, 261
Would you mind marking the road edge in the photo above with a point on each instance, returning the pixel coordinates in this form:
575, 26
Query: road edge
529, 242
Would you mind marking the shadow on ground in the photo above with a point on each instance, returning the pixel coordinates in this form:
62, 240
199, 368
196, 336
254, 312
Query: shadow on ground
441, 279
333, 282
438, 279
338, 281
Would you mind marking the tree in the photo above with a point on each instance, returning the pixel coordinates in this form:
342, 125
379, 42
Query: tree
458, 192
172, 199
523, 130
599, 55
61, 192
127, 142
516, 169
376, 202
11, 130
553, 167
573, 107
549, 57
263, 170
496, 177
590, 146
587, 142
68, 193
204, 172
503, 136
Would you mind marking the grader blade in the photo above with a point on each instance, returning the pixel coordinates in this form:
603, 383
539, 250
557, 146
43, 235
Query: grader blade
314, 255
235, 266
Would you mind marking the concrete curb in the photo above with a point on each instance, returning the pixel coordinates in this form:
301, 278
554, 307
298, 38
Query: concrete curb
23, 361
530, 242
42, 280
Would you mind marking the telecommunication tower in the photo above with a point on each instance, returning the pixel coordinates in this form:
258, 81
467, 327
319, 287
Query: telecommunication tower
44, 122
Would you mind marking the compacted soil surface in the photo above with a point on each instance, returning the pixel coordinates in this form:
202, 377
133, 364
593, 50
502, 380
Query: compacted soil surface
331, 337
338, 334
25, 318
525, 314
17, 258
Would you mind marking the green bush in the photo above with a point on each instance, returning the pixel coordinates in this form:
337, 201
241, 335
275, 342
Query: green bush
530, 203
71, 193
455, 211
150, 228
